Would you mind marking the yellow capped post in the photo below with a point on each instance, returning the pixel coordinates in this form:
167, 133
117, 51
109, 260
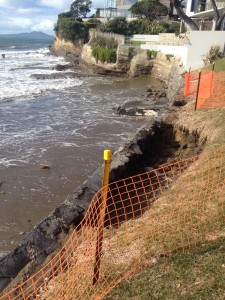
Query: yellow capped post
107, 154
102, 207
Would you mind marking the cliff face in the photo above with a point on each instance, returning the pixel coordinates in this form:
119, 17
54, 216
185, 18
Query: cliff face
133, 62
70, 51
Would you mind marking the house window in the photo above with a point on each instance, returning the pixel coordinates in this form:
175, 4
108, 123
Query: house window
202, 5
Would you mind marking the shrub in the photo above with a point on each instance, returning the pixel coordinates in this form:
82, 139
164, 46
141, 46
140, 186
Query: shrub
104, 55
104, 42
71, 29
151, 54
145, 26
104, 48
170, 27
214, 53
117, 25
169, 56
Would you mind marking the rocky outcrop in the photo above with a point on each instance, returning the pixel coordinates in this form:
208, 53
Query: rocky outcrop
89, 63
175, 82
125, 53
132, 61
67, 49
162, 66
154, 104
140, 65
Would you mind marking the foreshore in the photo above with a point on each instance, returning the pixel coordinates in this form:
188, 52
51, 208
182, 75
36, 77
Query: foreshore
48, 235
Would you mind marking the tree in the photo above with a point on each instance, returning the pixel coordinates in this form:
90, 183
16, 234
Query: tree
117, 25
193, 26
179, 8
80, 8
97, 13
149, 9
217, 17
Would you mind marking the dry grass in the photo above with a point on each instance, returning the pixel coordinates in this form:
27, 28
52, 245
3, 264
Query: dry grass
207, 124
185, 216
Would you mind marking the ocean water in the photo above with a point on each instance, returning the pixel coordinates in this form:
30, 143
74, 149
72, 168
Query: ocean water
62, 123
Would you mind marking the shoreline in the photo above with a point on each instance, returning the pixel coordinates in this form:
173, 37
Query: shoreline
46, 236
41, 190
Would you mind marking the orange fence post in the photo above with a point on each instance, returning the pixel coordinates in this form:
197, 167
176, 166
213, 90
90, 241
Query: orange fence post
199, 81
187, 78
105, 182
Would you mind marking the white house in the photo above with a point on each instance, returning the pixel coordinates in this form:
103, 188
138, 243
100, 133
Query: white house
120, 8
202, 11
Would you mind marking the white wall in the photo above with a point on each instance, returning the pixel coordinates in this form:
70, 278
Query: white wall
193, 52
178, 51
145, 38
200, 44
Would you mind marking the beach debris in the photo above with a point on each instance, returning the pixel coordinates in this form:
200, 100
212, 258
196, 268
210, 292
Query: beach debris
154, 260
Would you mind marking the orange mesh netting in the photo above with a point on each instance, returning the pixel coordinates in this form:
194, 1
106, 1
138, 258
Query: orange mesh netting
190, 83
147, 216
212, 91
209, 86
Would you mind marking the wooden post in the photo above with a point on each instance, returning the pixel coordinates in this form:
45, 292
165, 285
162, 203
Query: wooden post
199, 80
212, 75
102, 207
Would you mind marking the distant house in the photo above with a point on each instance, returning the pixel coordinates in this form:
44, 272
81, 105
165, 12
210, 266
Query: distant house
202, 12
120, 8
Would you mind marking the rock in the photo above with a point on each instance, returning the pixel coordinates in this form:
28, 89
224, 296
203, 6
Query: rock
180, 102
45, 167
143, 108
54, 75
62, 67
140, 65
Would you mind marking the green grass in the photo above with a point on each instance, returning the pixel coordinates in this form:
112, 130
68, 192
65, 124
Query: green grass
198, 275
219, 65
135, 42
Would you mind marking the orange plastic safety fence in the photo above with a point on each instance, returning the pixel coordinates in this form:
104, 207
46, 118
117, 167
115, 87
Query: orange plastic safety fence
212, 91
209, 86
147, 216
191, 81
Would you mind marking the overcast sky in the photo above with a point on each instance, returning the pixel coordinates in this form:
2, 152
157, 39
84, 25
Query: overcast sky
33, 15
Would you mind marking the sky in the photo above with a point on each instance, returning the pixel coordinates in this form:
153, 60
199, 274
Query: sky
34, 15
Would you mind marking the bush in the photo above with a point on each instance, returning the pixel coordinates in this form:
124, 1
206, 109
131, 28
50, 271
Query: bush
145, 26
171, 27
151, 54
71, 29
214, 53
104, 55
104, 42
117, 25
169, 56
